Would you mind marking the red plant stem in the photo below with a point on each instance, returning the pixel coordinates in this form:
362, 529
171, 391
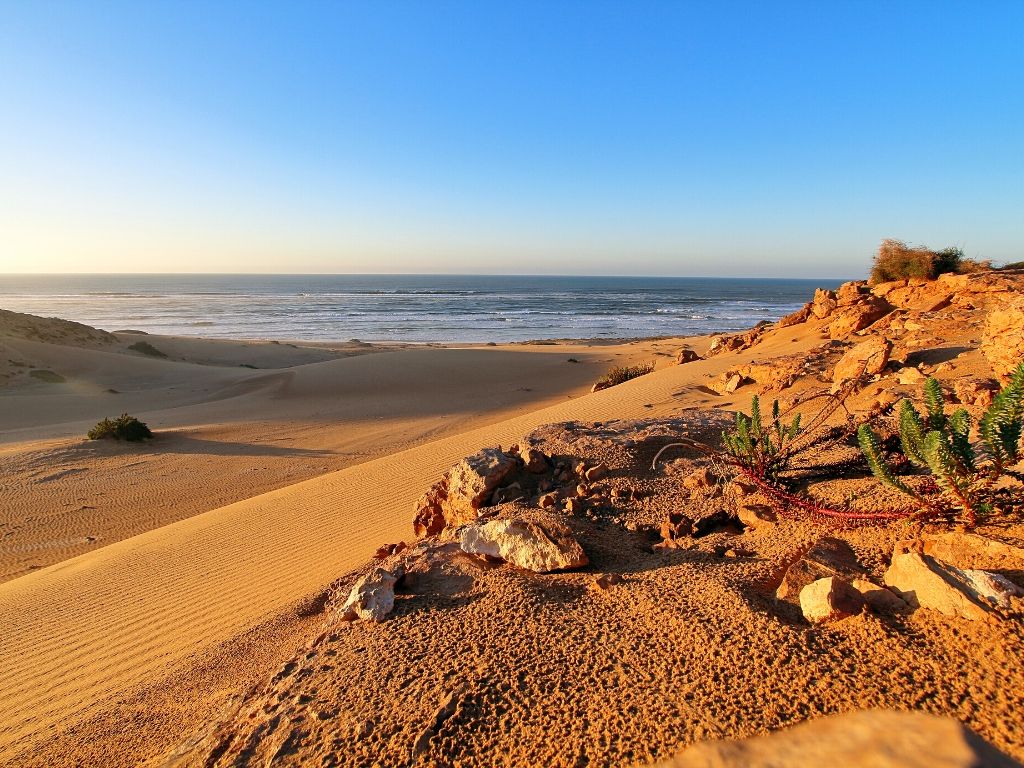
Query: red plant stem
782, 496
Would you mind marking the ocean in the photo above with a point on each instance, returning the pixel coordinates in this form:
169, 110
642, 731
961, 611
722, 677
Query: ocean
415, 308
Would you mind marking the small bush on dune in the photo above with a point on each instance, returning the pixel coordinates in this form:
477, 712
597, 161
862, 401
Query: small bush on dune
621, 373
896, 260
124, 427
145, 348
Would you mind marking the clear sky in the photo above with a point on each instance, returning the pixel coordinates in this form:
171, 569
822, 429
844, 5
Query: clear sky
710, 138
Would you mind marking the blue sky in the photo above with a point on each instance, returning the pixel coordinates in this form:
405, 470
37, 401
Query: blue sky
780, 139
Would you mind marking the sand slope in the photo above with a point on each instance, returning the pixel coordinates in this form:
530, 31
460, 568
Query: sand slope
81, 633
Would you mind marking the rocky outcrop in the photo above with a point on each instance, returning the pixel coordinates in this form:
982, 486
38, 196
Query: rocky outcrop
973, 390
534, 546
829, 599
1003, 340
924, 582
967, 550
466, 488
373, 596
687, 356
857, 316
865, 739
867, 358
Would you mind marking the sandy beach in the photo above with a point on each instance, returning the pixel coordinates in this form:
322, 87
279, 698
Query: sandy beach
183, 571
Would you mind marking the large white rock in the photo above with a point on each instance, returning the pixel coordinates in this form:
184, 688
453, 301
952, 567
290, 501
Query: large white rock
924, 582
372, 597
529, 545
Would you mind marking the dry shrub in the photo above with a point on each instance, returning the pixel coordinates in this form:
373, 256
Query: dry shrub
896, 260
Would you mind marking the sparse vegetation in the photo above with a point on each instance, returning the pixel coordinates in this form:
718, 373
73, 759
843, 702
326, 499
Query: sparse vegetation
622, 373
962, 472
124, 427
762, 451
572, 360
50, 377
1013, 265
145, 348
896, 260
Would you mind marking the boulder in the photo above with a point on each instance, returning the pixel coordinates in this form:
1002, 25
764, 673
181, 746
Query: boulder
727, 383
596, 472
924, 582
537, 462
700, 479
864, 739
605, 581
870, 357
800, 316
967, 550
524, 543
828, 557
467, 487
823, 304
1002, 341
687, 356
850, 293
829, 599
372, 597
857, 317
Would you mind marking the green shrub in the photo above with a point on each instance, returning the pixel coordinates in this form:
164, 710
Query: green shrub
1013, 265
146, 349
941, 444
124, 427
622, 373
48, 376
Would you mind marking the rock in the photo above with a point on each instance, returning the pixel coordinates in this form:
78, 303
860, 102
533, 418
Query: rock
372, 597
975, 391
605, 582
850, 293
873, 738
857, 317
575, 506
716, 521
800, 316
910, 376
387, 550
869, 357
924, 582
829, 599
548, 500
687, 356
823, 304
967, 550
878, 598
756, 515
828, 557
1002, 342
510, 492
732, 384
537, 462
596, 473
526, 544
464, 489
700, 479
676, 525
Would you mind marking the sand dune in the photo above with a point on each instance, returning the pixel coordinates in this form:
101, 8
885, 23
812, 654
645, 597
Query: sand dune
141, 608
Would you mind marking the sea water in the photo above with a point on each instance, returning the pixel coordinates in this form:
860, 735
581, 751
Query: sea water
416, 308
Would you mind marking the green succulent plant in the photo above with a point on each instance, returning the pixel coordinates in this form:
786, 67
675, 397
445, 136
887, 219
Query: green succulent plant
761, 449
964, 472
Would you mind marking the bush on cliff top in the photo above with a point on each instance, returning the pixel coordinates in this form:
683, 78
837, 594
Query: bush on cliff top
896, 260
124, 427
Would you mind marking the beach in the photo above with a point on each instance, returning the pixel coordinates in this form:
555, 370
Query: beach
151, 591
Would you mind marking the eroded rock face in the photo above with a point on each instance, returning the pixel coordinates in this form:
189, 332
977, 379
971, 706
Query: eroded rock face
865, 739
829, 599
858, 316
534, 546
869, 356
967, 550
373, 596
1003, 340
824, 303
975, 391
924, 582
463, 491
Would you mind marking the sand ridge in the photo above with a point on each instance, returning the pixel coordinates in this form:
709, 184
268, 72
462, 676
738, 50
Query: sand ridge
133, 610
